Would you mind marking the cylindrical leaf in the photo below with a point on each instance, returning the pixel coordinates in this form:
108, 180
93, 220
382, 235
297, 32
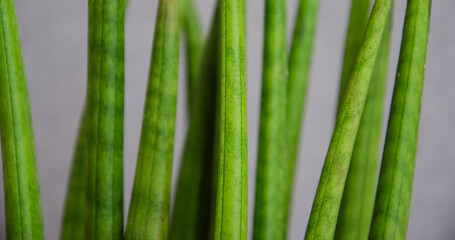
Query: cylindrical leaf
329, 193
393, 197
20, 175
148, 216
231, 217
105, 93
270, 203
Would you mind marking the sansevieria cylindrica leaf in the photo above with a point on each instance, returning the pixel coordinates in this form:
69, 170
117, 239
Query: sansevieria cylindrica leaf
300, 58
194, 205
148, 216
393, 197
231, 216
105, 91
20, 174
329, 193
192, 31
356, 208
271, 176
73, 222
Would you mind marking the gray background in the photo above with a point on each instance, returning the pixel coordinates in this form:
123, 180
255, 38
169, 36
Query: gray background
54, 38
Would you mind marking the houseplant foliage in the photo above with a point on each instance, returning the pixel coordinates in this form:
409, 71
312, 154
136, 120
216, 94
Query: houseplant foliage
393, 198
20, 174
359, 192
352, 201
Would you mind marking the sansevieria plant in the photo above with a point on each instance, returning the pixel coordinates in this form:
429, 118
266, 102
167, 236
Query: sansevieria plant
359, 196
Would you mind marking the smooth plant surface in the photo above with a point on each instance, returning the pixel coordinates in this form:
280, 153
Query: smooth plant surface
20, 175
269, 209
73, 222
194, 205
194, 46
356, 208
393, 198
231, 216
353, 201
300, 57
149, 211
329, 193
105, 91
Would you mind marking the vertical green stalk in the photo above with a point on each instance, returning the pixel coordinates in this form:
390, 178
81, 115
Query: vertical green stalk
328, 197
20, 174
73, 225
194, 46
149, 208
358, 20
193, 204
299, 73
393, 199
270, 203
231, 215
104, 218
356, 208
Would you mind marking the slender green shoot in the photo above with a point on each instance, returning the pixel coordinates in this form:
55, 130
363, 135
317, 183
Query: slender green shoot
73, 224
358, 20
231, 217
193, 207
393, 199
105, 91
299, 73
20, 174
327, 202
150, 203
356, 209
194, 46
271, 177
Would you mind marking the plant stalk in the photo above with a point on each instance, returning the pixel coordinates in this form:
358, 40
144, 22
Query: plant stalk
23, 212
150, 202
394, 193
194, 205
329, 193
105, 91
271, 203
231, 216
356, 208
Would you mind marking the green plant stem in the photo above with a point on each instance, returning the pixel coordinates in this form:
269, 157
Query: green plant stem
356, 208
270, 203
20, 174
393, 199
193, 204
328, 197
73, 225
299, 73
194, 46
149, 208
231, 215
105, 91
358, 20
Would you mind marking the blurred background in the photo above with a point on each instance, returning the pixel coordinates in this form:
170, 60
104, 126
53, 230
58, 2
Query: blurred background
54, 40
